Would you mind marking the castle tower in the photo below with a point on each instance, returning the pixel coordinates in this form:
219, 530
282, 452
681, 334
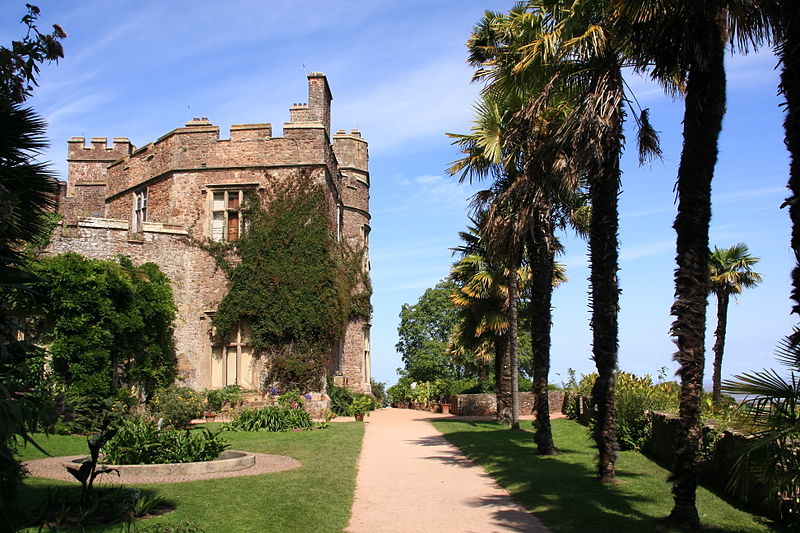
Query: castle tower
353, 157
87, 172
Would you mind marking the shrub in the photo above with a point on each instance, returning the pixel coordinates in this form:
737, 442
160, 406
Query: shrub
398, 393
361, 404
141, 441
341, 398
176, 406
634, 396
271, 419
229, 395
293, 399
81, 415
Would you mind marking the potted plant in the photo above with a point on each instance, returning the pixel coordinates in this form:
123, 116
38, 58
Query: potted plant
441, 391
360, 406
214, 400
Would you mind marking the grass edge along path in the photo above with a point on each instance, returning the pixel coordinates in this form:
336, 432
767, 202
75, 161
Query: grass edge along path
315, 497
564, 493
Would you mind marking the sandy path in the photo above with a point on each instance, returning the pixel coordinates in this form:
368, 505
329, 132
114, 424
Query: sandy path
410, 479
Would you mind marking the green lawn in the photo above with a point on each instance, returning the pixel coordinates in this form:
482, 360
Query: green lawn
315, 497
563, 492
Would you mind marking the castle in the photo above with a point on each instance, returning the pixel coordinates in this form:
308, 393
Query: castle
153, 202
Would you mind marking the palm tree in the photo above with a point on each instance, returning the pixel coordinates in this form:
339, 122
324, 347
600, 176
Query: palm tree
525, 207
730, 271
483, 300
27, 193
785, 20
684, 41
569, 45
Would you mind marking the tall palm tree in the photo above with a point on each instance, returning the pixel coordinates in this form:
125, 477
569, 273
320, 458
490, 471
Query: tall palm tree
730, 271
569, 45
527, 206
785, 21
684, 41
483, 300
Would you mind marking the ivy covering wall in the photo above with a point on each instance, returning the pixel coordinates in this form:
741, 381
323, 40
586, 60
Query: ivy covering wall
294, 283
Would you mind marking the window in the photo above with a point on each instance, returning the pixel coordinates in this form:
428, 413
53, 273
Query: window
367, 375
232, 362
226, 220
139, 209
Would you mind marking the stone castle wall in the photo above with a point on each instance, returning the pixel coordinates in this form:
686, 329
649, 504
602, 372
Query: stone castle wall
179, 174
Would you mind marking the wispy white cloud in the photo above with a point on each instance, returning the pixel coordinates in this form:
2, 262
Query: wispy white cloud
646, 250
407, 107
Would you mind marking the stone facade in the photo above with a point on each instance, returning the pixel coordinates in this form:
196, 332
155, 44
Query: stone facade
155, 203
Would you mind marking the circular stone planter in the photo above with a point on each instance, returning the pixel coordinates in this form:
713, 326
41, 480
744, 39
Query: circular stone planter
228, 461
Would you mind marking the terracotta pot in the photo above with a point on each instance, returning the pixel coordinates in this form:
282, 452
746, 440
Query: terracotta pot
359, 417
445, 408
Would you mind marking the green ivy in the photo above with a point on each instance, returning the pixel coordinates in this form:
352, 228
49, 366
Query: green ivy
293, 282
110, 324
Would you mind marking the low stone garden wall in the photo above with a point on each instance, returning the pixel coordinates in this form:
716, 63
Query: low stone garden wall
486, 404
719, 453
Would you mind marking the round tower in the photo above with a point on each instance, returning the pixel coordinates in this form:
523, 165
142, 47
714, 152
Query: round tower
355, 360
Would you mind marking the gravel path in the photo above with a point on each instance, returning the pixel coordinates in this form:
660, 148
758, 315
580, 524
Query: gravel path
410, 479
53, 468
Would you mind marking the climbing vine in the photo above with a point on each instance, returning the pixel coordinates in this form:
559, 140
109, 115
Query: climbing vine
294, 283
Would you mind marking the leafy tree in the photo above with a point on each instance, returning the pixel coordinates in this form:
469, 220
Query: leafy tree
110, 324
294, 283
730, 271
424, 332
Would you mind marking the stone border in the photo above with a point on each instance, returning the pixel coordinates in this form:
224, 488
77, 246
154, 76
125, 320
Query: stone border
229, 460
53, 468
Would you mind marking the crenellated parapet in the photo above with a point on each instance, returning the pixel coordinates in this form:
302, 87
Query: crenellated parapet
98, 149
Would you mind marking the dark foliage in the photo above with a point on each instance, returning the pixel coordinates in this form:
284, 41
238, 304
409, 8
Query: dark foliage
294, 284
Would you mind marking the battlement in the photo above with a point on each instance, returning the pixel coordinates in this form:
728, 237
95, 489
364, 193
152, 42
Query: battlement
351, 150
251, 132
98, 149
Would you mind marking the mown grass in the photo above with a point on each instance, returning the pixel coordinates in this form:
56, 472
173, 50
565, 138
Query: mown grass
563, 492
315, 497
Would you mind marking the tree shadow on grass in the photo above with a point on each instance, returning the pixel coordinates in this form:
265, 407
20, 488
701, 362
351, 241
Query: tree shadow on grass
561, 490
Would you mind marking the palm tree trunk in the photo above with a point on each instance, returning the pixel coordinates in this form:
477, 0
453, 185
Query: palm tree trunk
542, 256
704, 109
719, 344
790, 88
604, 255
512, 344
502, 376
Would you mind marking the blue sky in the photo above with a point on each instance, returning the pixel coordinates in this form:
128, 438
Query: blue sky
397, 71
